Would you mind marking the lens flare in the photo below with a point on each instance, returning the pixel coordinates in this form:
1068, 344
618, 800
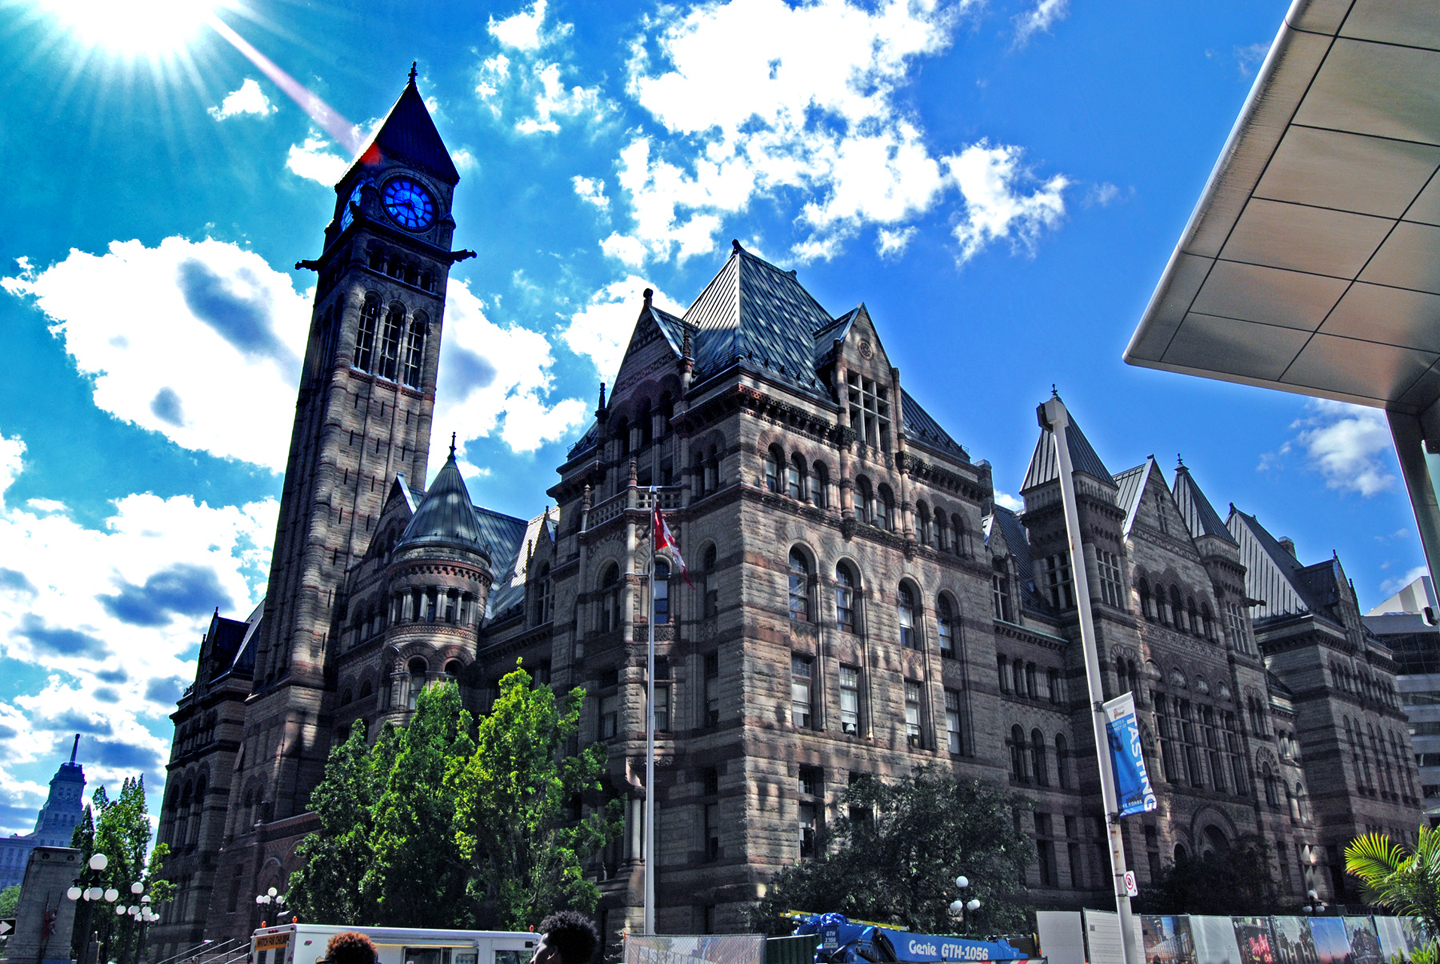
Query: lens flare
132, 28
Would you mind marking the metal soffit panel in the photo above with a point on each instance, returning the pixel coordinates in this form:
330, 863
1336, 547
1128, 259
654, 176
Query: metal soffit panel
1312, 261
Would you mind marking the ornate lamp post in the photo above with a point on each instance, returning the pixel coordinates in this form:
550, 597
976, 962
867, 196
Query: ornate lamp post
1313, 904
962, 908
88, 889
271, 896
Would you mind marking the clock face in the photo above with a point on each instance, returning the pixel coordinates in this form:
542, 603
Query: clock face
345, 216
409, 204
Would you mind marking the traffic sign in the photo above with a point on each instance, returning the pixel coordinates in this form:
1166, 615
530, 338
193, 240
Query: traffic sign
1130, 887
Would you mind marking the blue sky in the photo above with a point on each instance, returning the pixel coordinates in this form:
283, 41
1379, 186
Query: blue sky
1000, 181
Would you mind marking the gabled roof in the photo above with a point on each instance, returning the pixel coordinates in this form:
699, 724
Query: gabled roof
920, 427
754, 311
1045, 468
446, 516
408, 135
1271, 572
1017, 540
504, 538
1196, 510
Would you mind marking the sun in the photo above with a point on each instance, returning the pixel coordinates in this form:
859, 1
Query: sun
151, 29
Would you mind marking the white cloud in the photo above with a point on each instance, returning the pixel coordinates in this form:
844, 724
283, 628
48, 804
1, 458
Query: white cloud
464, 160
112, 615
1039, 19
190, 300
1349, 445
601, 330
762, 97
893, 241
533, 87
996, 206
1391, 586
591, 190
1007, 501
1250, 57
495, 378
524, 31
624, 248
314, 161
247, 99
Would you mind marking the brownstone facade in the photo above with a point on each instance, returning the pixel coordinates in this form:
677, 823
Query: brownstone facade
856, 604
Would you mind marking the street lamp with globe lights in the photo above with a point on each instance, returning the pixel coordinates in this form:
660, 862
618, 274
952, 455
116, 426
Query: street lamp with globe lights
271, 896
88, 889
962, 908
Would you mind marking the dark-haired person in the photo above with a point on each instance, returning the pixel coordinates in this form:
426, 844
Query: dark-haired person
566, 937
351, 947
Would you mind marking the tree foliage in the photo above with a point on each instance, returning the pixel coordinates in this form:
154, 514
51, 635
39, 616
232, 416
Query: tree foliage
1405, 881
446, 824
9, 899
511, 801
1236, 881
120, 829
896, 855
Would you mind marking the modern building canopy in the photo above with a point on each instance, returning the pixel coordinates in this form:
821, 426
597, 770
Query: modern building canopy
1311, 263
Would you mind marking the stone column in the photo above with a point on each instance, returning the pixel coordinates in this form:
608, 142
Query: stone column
45, 916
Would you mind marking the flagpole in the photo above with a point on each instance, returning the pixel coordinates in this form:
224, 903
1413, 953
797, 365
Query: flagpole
650, 859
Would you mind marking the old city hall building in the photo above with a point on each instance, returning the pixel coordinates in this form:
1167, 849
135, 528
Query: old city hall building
860, 604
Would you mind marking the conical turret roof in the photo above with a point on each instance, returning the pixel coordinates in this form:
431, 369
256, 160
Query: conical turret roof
446, 516
1199, 514
1044, 467
408, 135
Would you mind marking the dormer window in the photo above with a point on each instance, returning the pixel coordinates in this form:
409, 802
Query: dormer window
869, 411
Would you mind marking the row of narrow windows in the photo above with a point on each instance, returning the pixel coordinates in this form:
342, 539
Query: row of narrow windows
1029, 761
1173, 610
428, 605
400, 268
1375, 767
1196, 739
393, 349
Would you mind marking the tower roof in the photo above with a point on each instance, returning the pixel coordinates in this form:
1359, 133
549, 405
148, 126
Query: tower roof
1197, 511
446, 516
1044, 467
408, 135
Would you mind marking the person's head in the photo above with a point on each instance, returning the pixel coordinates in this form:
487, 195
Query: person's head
350, 947
567, 937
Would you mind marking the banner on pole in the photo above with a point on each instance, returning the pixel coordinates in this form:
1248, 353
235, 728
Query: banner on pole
1133, 792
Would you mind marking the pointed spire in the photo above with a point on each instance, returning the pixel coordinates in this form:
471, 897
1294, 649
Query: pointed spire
446, 515
408, 135
600, 407
1199, 515
452, 446
75, 749
412, 73
1044, 467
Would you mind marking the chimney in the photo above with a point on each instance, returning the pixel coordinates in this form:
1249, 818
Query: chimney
1288, 544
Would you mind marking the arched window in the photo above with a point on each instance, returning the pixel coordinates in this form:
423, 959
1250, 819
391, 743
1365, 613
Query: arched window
773, 460
1017, 754
960, 542
795, 477
347, 697
660, 606
1272, 795
1207, 621
922, 523
799, 586
884, 508
545, 597
1123, 683
366, 690
622, 435
452, 670
820, 488
390, 342
1145, 607
945, 626
1177, 608
864, 500
1000, 591
610, 598
415, 349
845, 598
942, 531
418, 669
1017, 676
1194, 616
909, 639
1062, 761
647, 424
1037, 759
365, 334
708, 590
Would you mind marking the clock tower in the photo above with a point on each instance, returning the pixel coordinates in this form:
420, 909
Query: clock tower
362, 418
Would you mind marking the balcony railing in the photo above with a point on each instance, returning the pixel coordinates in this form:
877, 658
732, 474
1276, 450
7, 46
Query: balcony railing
643, 498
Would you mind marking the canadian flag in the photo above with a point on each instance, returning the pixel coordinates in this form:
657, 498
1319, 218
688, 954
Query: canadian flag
665, 539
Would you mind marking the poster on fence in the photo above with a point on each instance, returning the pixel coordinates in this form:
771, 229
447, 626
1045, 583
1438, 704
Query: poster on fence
715, 949
1364, 944
1167, 940
1332, 945
1253, 936
1291, 941
1214, 940
1399, 936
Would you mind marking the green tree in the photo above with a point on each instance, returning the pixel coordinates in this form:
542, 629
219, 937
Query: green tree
120, 829
1236, 881
417, 877
9, 898
1393, 876
512, 797
895, 856
336, 858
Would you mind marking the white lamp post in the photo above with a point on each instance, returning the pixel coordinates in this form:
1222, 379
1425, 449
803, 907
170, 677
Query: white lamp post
962, 908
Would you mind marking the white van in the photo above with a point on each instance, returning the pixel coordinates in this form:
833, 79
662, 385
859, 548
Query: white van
305, 944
